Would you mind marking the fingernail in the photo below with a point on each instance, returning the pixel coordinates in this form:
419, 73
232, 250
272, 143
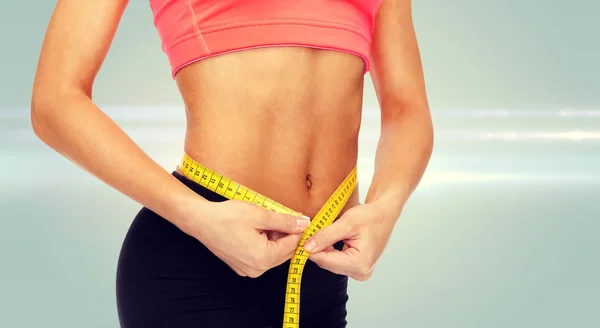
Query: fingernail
306, 217
310, 245
302, 223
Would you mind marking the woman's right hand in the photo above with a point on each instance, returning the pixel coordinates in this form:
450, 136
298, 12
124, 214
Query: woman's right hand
237, 232
64, 117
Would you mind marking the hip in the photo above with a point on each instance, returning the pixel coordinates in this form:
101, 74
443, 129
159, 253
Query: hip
166, 277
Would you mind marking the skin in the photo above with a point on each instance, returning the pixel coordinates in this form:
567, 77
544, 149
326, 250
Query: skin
295, 120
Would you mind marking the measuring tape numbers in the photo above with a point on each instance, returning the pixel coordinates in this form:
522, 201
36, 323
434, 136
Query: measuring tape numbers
230, 189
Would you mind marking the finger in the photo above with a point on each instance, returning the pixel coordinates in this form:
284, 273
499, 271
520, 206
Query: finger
283, 223
347, 262
338, 230
282, 249
274, 235
340, 262
329, 249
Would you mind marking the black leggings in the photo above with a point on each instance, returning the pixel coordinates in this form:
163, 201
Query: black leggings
166, 278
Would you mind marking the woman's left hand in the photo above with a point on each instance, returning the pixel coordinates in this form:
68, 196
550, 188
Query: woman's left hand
365, 230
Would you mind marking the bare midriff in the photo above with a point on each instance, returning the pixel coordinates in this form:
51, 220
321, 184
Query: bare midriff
282, 121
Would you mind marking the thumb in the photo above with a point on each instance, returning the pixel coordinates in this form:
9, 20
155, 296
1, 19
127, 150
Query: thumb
282, 249
289, 224
322, 239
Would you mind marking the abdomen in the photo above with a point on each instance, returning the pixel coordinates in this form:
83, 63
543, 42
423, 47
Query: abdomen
282, 121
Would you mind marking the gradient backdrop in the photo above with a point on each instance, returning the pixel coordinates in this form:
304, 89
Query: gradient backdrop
503, 231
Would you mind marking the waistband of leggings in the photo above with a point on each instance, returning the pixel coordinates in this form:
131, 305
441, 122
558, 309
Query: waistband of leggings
199, 189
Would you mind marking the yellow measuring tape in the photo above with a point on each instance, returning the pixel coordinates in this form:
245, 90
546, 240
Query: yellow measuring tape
327, 214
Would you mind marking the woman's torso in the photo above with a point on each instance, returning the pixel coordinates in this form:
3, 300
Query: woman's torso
283, 121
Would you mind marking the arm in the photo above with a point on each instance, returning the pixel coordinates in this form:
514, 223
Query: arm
403, 152
406, 141
64, 117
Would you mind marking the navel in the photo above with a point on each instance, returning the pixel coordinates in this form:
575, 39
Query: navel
308, 182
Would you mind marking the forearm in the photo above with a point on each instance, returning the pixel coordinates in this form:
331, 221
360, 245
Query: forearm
402, 155
77, 129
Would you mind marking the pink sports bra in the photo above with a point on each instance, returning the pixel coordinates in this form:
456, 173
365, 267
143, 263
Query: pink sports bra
192, 30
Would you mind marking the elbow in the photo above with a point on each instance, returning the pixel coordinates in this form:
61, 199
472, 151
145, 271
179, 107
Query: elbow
40, 108
46, 107
399, 111
410, 115
51, 114
47, 104
50, 107
427, 131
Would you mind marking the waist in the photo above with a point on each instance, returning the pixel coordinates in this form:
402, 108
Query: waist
287, 132
299, 168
